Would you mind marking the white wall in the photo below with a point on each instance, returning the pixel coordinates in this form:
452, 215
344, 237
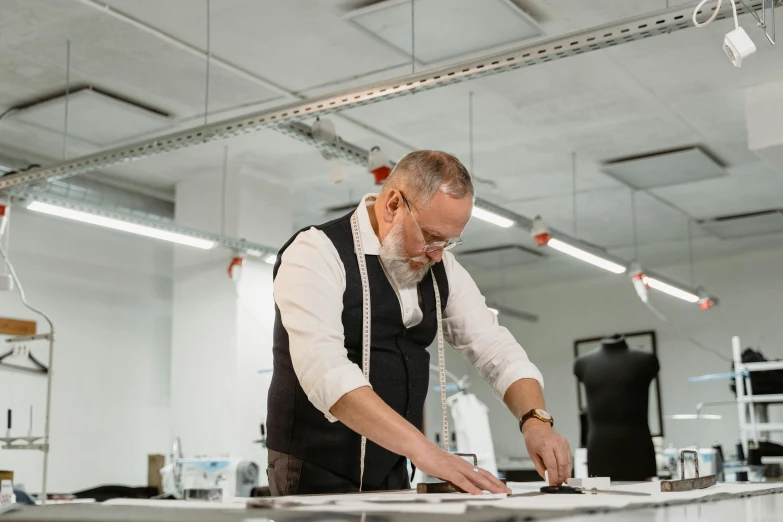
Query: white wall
109, 295
751, 291
222, 329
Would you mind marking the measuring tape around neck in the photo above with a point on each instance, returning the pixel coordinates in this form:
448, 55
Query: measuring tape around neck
366, 337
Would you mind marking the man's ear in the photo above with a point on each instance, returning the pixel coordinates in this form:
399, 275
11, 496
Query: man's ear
392, 205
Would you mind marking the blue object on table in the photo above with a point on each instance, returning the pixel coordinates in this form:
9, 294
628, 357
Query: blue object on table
23, 498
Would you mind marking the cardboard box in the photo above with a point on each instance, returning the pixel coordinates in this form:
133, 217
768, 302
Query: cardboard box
6, 475
154, 464
16, 327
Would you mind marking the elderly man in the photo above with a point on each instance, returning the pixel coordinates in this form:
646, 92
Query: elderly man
381, 266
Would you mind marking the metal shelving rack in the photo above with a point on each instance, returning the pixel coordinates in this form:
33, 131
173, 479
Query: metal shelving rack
31, 442
746, 401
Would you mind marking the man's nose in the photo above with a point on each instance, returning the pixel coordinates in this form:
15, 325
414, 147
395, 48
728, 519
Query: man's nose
436, 255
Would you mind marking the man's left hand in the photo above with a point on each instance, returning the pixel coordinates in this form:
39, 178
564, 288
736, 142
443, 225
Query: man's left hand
549, 450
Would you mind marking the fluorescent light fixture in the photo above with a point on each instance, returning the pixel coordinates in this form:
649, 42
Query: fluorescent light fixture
494, 311
116, 224
694, 416
491, 217
271, 259
671, 290
586, 256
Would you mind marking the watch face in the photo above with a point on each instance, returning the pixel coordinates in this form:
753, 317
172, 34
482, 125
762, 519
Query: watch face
543, 414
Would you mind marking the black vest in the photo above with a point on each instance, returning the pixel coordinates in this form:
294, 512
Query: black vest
399, 368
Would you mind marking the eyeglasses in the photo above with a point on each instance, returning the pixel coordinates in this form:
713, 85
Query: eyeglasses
435, 245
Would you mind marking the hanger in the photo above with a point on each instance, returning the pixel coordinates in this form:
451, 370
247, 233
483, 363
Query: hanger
19, 350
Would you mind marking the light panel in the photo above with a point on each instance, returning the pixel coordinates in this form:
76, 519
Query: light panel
390, 22
664, 169
671, 290
95, 118
586, 256
116, 224
694, 416
491, 217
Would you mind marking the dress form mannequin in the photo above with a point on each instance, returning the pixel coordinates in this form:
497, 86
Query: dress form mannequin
617, 382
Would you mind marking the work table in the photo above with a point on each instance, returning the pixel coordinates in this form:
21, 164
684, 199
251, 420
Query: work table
758, 508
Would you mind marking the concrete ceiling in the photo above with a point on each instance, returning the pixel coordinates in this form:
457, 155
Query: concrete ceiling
662, 93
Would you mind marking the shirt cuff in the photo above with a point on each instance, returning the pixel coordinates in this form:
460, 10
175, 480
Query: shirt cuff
333, 385
514, 372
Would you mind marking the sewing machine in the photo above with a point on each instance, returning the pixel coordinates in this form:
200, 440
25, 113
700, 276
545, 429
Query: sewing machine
234, 477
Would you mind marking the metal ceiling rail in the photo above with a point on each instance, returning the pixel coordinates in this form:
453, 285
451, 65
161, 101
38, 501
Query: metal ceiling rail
145, 219
355, 154
580, 42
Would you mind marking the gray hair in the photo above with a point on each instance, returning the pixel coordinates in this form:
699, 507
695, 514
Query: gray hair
423, 173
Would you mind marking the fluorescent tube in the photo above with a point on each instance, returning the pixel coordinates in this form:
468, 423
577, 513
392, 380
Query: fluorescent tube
491, 217
694, 416
117, 224
271, 259
671, 290
586, 256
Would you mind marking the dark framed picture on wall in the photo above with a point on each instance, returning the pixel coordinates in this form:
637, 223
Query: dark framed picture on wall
642, 341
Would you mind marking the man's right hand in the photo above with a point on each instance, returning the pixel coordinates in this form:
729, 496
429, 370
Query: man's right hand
436, 462
365, 413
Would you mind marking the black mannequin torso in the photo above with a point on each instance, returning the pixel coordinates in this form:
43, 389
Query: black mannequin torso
617, 382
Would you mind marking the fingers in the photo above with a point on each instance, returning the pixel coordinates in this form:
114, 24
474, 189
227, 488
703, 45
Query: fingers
550, 463
463, 484
538, 463
566, 448
496, 482
488, 482
475, 482
563, 455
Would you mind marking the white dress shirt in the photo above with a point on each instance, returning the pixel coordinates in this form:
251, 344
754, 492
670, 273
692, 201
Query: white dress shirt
308, 290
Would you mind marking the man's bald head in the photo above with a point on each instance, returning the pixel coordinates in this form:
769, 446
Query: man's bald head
420, 175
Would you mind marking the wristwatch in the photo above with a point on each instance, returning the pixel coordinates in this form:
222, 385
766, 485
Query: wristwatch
539, 414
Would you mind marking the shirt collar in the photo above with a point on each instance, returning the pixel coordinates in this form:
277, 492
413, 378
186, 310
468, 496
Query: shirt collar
370, 242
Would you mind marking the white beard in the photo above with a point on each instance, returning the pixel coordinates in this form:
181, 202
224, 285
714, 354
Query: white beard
397, 262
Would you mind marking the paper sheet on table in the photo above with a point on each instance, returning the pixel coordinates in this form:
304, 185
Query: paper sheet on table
380, 498
444, 508
604, 501
399, 502
233, 504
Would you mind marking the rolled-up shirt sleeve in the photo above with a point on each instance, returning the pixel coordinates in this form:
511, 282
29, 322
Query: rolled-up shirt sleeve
473, 330
308, 290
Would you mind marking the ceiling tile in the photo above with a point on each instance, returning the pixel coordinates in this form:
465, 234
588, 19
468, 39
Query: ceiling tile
660, 169
729, 227
444, 29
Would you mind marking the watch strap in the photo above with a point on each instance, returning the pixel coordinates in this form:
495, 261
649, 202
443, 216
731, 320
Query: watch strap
533, 414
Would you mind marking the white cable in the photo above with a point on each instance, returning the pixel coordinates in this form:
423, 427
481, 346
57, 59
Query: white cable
21, 290
7, 234
714, 14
